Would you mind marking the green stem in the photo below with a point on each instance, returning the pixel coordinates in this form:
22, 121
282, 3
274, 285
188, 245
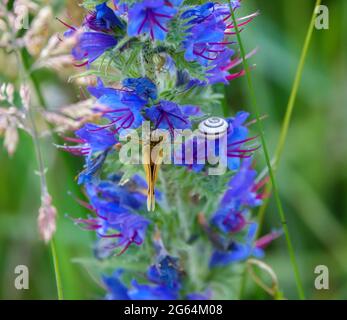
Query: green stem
268, 162
33, 78
56, 270
25, 63
294, 92
289, 111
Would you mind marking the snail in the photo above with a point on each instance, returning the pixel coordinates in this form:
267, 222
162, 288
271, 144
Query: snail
213, 128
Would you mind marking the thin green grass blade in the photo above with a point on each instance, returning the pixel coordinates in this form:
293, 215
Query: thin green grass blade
24, 63
289, 110
268, 162
56, 271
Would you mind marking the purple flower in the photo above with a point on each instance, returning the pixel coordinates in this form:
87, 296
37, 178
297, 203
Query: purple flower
130, 195
192, 111
123, 109
91, 139
192, 154
165, 272
116, 289
151, 16
120, 7
243, 189
229, 220
219, 72
101, 90
92, 167
237, 136
151, 292
238, 251
91, 45
115, 220
163, 279
206, 295
210, 49
96, 137
242, 194
143, 87
232, 217
168, 115
103, 19
202, 46
94, 143
199, 13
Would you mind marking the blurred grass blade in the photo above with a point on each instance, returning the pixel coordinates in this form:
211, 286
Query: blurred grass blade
294, 91
289, 111
24, 62
268, 163
56, 271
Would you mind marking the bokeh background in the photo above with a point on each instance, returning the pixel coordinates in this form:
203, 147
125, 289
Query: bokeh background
312, 174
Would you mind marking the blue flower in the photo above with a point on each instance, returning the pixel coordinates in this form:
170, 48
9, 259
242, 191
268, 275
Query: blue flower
91, 45
164, 280
165, 272
242, 188
219, 72
103, 19
238, 251
116, 289
99, 90
128, 195
229, 220
204, 46
206, 295
163, 277
237, 136
120, 7
151, 292
168, 115
210, 49
123, 109
151, 17
92, 167
199, 13
114, 205
192, 111
94, 143
143, 87
191, 154
200, 45
231, 217
96, 138
242, 194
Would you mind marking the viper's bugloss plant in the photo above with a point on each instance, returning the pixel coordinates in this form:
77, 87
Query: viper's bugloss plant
174, 230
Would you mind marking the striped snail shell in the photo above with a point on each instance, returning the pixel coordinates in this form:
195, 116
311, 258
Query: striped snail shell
213, 127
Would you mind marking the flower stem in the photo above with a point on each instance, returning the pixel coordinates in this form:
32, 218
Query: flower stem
56, 270
25, 64
268, 162
289, 110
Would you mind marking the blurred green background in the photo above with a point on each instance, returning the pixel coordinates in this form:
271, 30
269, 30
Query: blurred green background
312, 175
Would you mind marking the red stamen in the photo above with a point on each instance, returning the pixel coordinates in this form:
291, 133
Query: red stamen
66, 25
